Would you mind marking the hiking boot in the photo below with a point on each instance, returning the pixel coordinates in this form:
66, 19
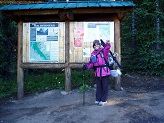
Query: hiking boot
102, 103
96, 102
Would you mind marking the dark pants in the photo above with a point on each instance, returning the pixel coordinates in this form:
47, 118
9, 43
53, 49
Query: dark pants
102, 88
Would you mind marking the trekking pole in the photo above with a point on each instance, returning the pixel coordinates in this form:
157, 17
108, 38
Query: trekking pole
83, 87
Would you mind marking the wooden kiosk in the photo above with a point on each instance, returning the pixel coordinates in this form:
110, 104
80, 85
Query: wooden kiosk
60, 34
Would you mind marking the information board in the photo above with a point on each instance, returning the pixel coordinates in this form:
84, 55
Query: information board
97, 30
44, 42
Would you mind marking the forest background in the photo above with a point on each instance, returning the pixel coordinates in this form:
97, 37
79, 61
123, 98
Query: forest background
142, 50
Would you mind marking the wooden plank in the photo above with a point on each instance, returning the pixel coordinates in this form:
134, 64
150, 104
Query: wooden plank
80, 17
20, 73
55, 18
112, 46
41, 18
80, 37
77, 42
87, 45
67, 43
61, 42
79, 14
100, 17
67, 56
24, 42
76, 55
74, 10
76, 65
117, 48
28, 42
36, 12
50, 65
102, 10
71, 51
68, 79
26, 39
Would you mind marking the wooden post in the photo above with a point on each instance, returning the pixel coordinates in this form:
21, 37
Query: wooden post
67, 58
117, 48
67, 79
20, 73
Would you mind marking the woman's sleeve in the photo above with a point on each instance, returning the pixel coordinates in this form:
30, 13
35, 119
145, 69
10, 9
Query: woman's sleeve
106, 49
90, 65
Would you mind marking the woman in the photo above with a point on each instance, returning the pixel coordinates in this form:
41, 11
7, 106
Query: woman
101, 71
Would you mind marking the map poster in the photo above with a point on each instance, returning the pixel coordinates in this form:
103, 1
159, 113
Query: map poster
98, 30
44, 42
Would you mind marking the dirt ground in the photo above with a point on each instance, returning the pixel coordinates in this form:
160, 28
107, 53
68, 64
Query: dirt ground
140, 101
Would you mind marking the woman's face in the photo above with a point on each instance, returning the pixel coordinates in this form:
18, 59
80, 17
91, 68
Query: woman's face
96, 46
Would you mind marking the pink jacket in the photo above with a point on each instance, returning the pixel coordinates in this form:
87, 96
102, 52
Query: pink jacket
100, 67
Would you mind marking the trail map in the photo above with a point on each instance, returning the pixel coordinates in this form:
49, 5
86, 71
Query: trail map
44, 42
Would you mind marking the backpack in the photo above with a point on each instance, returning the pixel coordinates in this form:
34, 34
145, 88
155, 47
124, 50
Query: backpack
112, 60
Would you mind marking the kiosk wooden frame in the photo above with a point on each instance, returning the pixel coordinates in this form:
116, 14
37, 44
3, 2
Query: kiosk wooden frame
65, 12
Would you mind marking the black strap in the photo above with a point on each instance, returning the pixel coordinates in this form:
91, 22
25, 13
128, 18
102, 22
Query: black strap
105, 65
101, 67
114, 58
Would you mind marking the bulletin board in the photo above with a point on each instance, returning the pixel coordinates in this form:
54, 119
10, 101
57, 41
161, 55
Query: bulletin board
44, 42
82, 35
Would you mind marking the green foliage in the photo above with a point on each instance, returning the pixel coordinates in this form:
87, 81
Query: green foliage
7, 88
8, 40
143, 54
37, 83
84, 88
82, 79
80, 76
